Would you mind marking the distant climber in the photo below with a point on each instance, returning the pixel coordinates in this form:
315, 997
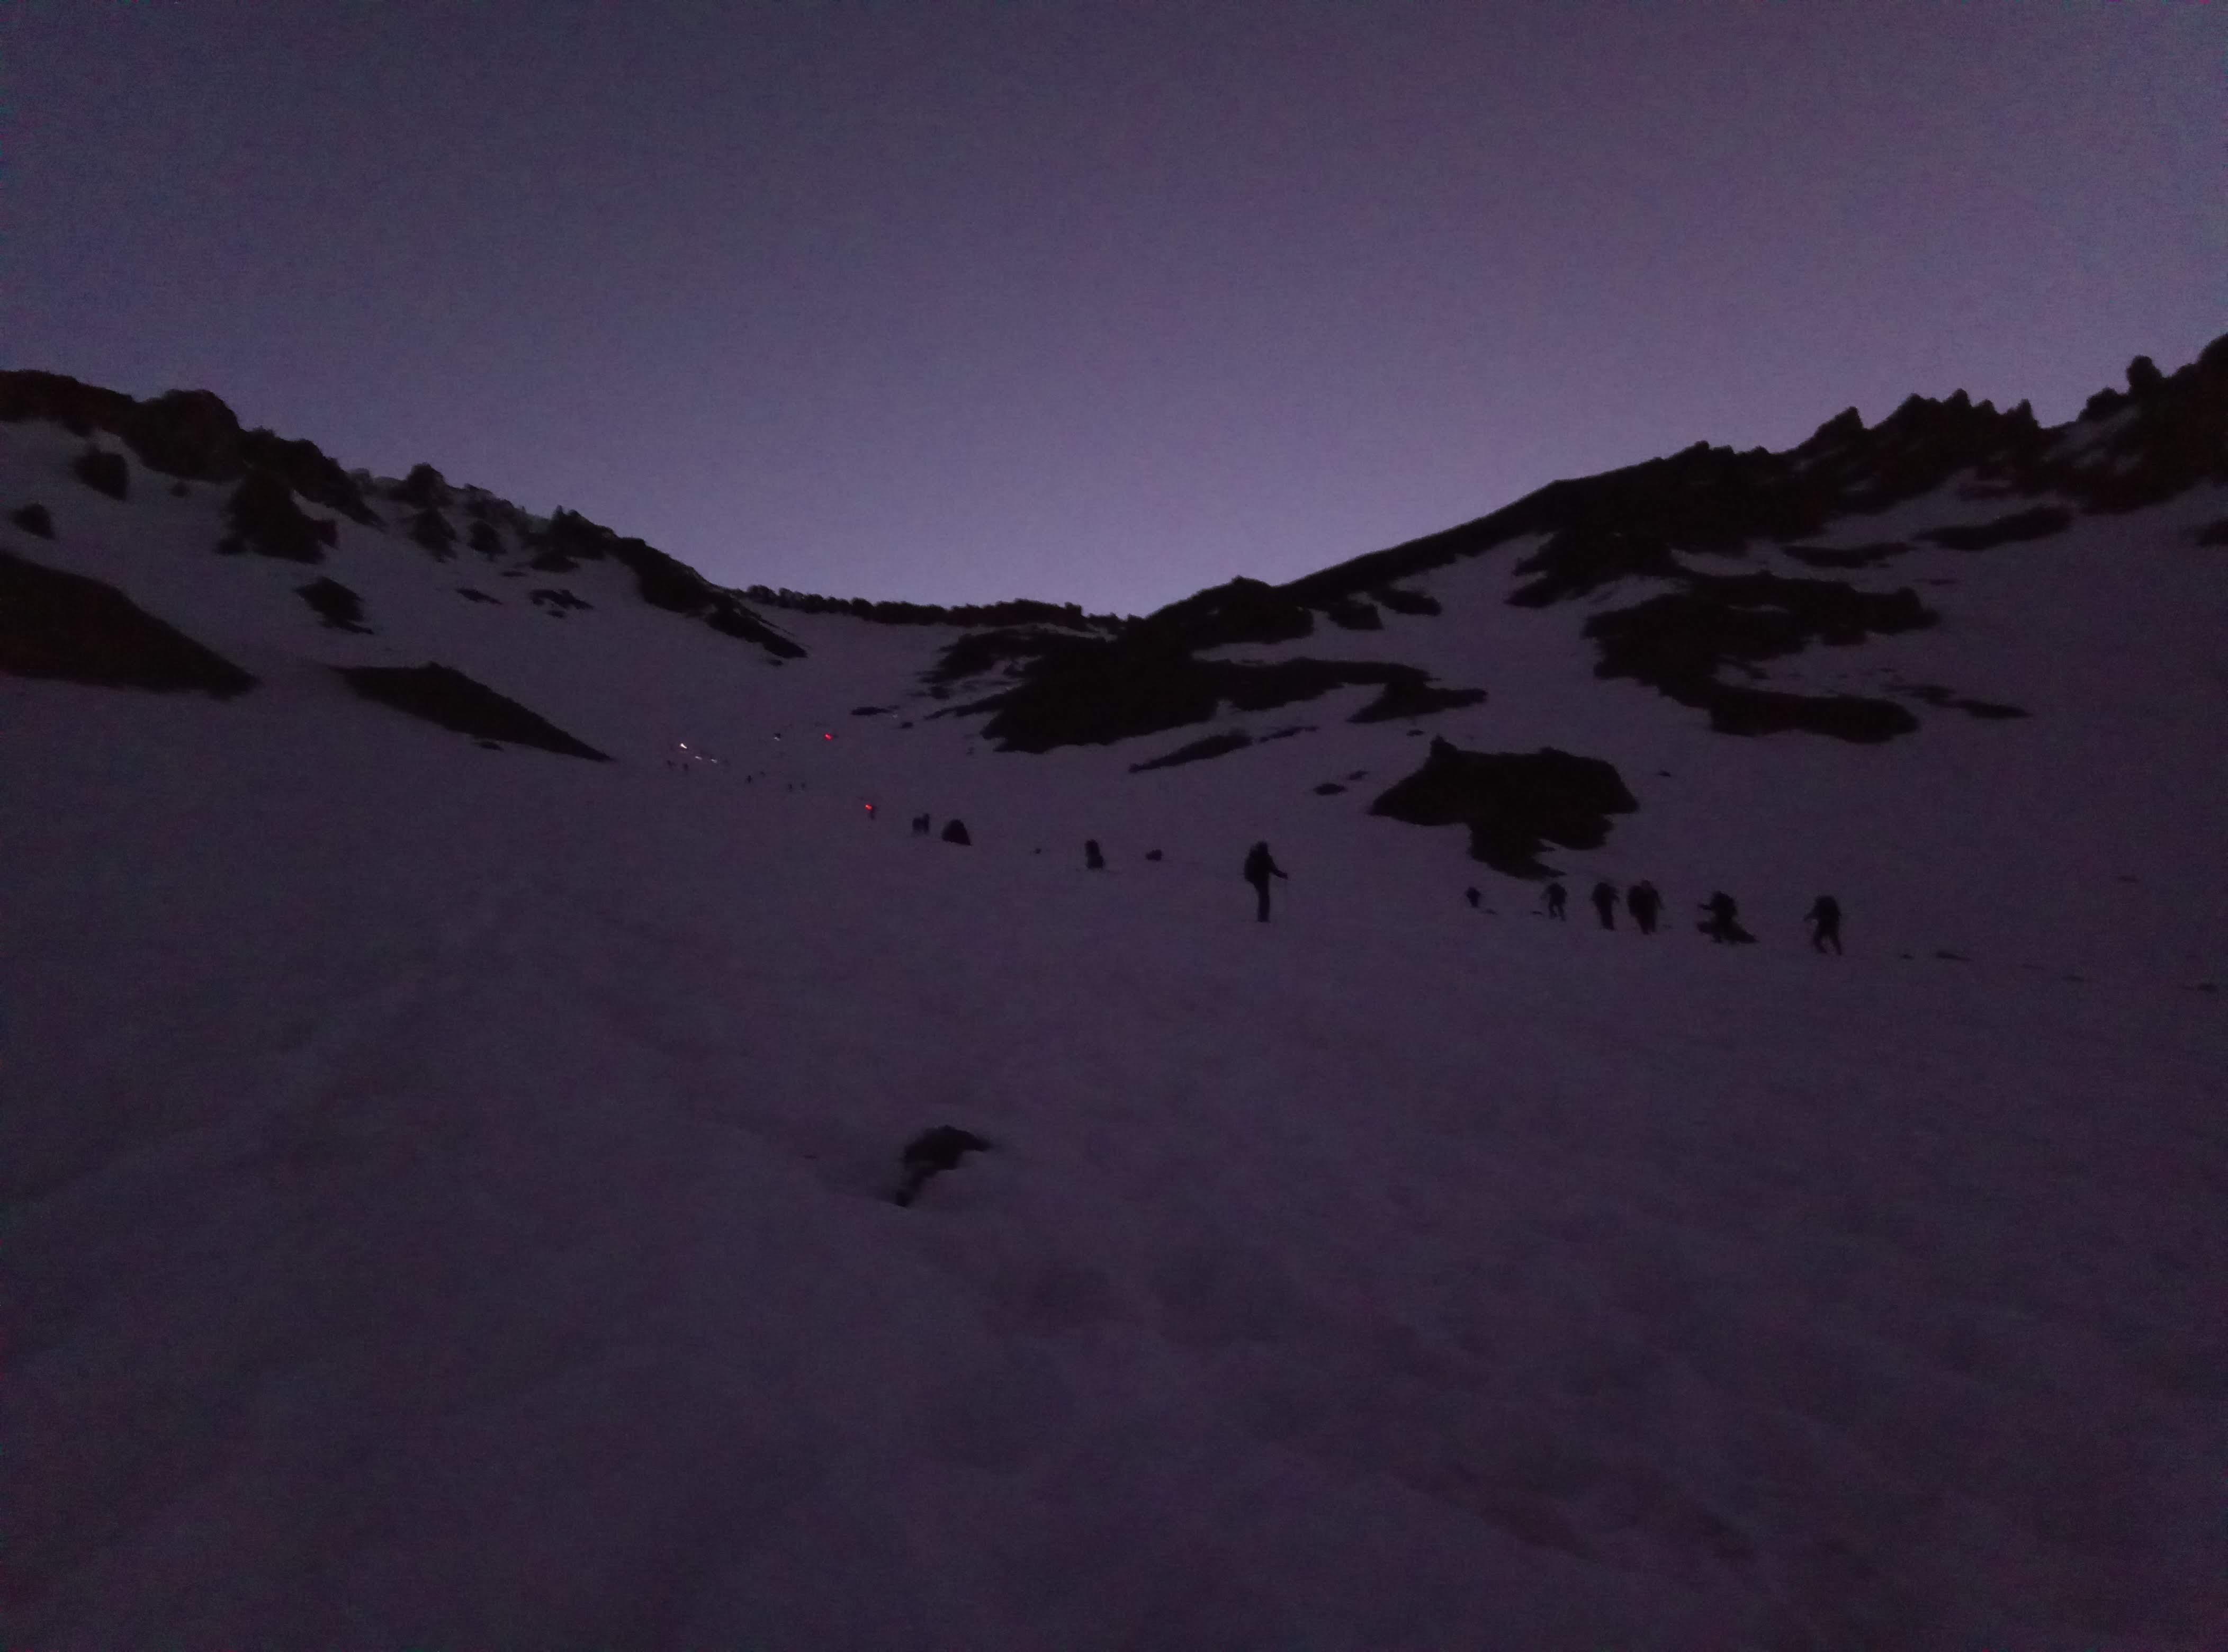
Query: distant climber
1472, 896
1556, 896
1092, 859
955, 831
1604, 899
930, 1153
1825, 920
1260, 867
922, 825
1645, 904
1723, 923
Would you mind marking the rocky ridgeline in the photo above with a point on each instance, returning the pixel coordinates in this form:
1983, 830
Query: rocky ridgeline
192, 436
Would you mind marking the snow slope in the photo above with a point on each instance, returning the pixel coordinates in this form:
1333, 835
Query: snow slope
445, 1186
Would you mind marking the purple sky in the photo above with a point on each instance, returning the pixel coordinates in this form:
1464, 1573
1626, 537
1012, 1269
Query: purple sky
1097, 302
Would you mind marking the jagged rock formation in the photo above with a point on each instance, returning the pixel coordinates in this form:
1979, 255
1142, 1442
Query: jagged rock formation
1515, 803
1146, 677
1682, 641
1079, 690
265, 520
572, 539
1197, 751
2165, 434
191, 434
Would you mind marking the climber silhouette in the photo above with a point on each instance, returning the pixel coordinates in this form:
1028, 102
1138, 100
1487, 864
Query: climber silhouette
1260, 867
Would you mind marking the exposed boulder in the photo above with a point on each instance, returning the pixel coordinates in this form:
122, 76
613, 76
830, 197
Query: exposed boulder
78, 630
1514, 803
191, 434
1197, 751
445, 696
426, 488
335, 604
34, 518
1407, 602
265, 520
103, 471
430, 529
2040, 523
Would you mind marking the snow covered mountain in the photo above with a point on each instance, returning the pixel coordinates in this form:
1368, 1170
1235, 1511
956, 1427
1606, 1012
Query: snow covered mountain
458, 1038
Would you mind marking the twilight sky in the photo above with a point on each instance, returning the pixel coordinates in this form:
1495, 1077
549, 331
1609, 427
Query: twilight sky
1095, 302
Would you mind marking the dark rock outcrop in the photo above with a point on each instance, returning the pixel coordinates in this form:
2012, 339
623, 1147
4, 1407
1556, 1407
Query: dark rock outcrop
72, 629
265, 520
447, 698
426, 488
34, 519
1682, 643
430, 529
1935, 695
1407, 602
661, 581
1084, 690
1197, 751
189, 434
2040, 523
1515, 803
103, 471
335, 604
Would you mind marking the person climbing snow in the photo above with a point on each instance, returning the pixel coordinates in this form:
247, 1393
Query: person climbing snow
932, 1153
1645, 904
1092, 859
1604, 899
1260, 867
1723, 925
1825, 920
1556, 896
1472, 896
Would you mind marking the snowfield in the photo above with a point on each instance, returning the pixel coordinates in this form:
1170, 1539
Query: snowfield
447, 1187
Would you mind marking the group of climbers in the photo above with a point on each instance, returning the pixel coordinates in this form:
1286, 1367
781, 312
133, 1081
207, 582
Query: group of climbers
1720, 913
1643, 901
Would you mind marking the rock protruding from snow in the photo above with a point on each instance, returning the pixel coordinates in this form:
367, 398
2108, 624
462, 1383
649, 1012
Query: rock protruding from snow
191, 434
1514, 802
79, 630
1087, 690
332, 602
1681, 642
445, 696
265, 520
